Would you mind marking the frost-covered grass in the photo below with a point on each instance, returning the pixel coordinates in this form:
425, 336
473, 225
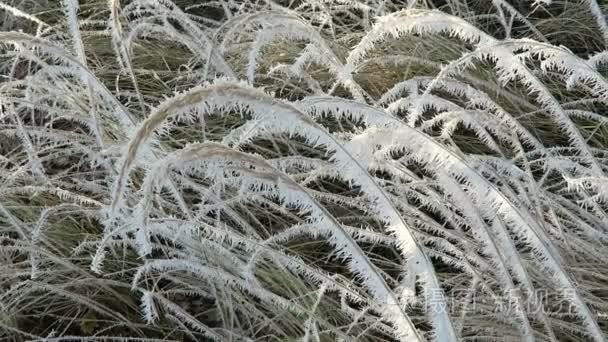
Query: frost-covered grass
315, 170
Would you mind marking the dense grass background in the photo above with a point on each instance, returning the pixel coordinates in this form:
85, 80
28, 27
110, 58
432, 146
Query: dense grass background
180, 171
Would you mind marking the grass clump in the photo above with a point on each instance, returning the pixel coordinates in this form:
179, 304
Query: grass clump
303, 170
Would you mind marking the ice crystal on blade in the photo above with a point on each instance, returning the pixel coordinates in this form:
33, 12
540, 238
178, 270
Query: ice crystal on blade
313, 170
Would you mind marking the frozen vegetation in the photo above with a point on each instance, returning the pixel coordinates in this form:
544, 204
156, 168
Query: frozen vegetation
303, 170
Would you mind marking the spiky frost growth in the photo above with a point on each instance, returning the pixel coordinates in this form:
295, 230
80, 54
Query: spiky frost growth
321, 170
